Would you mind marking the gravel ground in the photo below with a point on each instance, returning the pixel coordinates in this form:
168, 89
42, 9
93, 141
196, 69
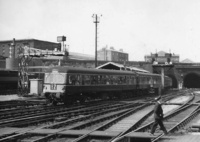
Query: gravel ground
9, 97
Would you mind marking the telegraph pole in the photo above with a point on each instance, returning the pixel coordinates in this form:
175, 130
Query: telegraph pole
96, 20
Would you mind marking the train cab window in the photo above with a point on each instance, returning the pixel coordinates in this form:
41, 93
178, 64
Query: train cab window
55, 78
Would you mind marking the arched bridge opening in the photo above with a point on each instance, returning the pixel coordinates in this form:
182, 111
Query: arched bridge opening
191, 80
174, 81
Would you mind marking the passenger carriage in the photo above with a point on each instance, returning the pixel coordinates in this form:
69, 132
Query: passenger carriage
69, 84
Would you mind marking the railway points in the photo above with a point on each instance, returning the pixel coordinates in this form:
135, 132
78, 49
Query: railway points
110, 125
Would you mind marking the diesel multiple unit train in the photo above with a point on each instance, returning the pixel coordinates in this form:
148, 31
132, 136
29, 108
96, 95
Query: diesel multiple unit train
69, 84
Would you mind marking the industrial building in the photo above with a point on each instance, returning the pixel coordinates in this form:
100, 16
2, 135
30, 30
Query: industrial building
7, 46
110, 54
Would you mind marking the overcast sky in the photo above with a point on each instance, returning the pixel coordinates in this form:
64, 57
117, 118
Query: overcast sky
139, 27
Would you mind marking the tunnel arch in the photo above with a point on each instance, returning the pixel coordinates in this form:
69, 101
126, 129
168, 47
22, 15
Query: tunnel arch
174, 81
191, 80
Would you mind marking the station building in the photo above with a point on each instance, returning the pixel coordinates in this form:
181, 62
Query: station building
110, 54
162, 57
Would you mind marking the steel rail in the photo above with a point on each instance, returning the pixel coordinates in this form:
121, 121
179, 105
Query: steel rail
119, 116
53, 135
49, 109
121, 137
182, 123
51, 115
76, 119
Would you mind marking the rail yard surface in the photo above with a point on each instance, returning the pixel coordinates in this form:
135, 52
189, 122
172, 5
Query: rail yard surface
31, 119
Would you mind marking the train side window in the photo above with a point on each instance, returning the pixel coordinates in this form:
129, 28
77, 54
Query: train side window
83, 80
111, 80
132, 80
146, 80
94, 79
104, 79
140, 80
87, 80
99, 79
120, 80
155, 80
127, 79
115, 79
71, 79
74, 79
107, 79
78, 80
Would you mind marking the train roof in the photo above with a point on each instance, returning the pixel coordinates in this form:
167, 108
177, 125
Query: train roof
148, 74
89, 71
67, 69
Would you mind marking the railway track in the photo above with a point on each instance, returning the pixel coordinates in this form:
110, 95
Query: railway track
173, 122
17, 104
87, 124
79, 125
33, 111
50, 116
13, 117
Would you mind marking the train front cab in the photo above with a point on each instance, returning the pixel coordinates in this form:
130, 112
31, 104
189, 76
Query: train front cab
54, 86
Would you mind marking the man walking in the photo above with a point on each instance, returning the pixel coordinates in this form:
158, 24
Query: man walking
158, 116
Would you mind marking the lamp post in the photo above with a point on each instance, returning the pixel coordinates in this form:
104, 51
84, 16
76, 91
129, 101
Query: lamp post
96, 20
